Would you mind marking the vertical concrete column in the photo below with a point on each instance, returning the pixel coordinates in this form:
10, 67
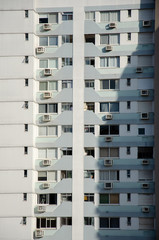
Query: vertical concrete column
78, 122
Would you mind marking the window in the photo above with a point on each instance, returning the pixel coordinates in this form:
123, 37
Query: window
90, 38
129, 13
109, 84
90, 61
24, 196
25, 173
128, 173
108, 175
89, 152
26, 36
48, 108
112, 62
50, 198
66, 151
50, 153
128, 82
66, 62
67, 39
66, 16
67, 129
49, 63
89, 83
89, 197
128, 150
26, 104
48, 131
128, 59
90, 106
109, 222
26, 127
48, 41
90, 16
141, 131
66, 174
111, 39
25, 150
26, 82
89, 221
48, 18
47, 176
26, 59
66, 221
129, 36
128, 197
24, 220
109, 130
145, 152
66, 107
109, 152
89, 129
67, 84
109, 198
128, 127
26, 13
89, 174
128, 104
109, 107
129, 221
51, 85
113, 16
46, 222
66, 197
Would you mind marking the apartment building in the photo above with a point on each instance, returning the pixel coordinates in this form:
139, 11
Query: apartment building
77, 120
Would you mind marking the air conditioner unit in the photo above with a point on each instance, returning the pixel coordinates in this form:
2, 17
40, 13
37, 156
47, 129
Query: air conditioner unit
108, 185
108, 48
145, 209
144, 116
145, 185
108, 162
46, 185
144, 92
46, 118
41, 209
39, 233
145, 162
46, 162
40, 50
146, 23
112, 25
139, 70
47, 72
47, 95
46, 27
108, 116
108, 139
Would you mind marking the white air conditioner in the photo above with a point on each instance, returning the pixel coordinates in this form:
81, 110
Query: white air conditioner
108, 162
144, 116
108, 139
47, 72
144, 92
145, 209
145, 185
46, 162
46, 118
40, 50
112, 25
39, 233
46, 185
146, 23
41, 209
139, 70
46, 27
108, 116
47, 95
108, 48
145, 162
108, 185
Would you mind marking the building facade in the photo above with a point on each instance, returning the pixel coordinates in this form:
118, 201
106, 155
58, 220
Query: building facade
77, 120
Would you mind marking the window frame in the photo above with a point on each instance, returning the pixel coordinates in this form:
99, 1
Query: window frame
109, 39
48, 41
47, 176
46, 222
109, 107
109, 223
109, 199
47, 131
47, 105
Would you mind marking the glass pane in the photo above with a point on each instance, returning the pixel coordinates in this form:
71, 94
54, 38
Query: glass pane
52, 108
104, 222
104, 16
114, 152
53, 41
51, 153
114, 39
114, 129
52, 130
43, 222
114, 223
53, 18
114, 198
43, 86
104, 152
104, 198
104, 39
104, 175
104, 84
104, 130
42, 131
43, 64
43, 41
104, 107
103, 62
51, 176
114, 107
52, 63
42, 108
53, 85
113, 175
42, 153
